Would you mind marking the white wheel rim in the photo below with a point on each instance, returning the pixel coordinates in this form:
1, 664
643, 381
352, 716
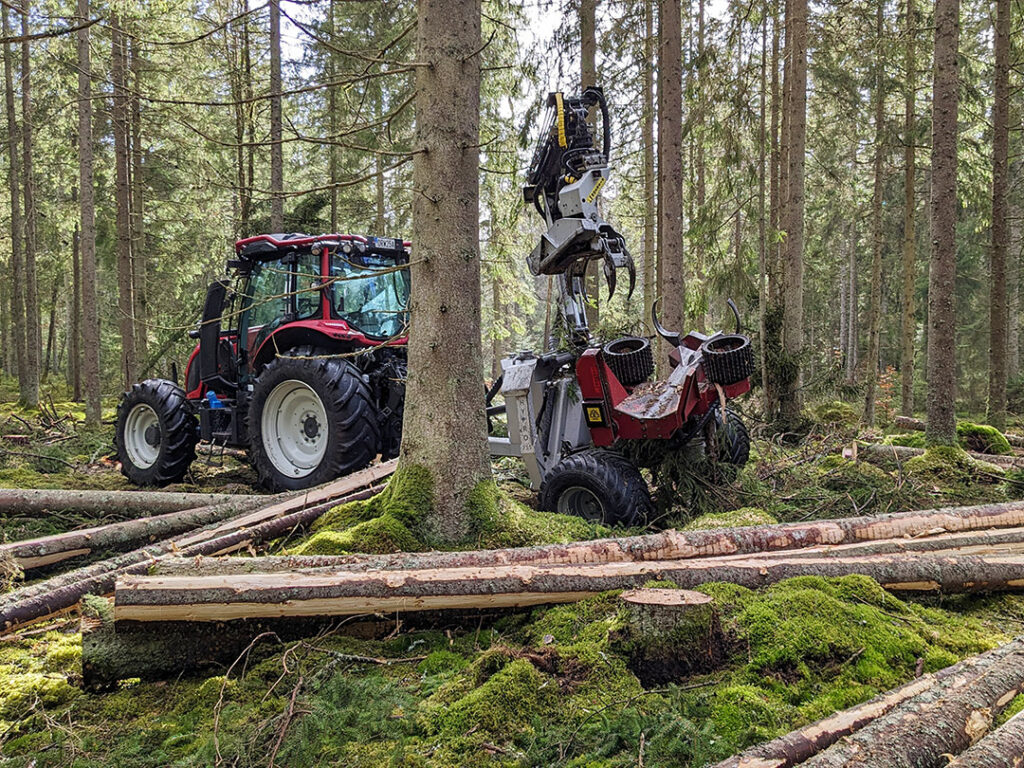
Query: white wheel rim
141, 428
295, 430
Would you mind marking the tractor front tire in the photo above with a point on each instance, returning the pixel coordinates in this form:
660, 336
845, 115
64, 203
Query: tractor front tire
601, 486
156, 433
311, 420
731, 438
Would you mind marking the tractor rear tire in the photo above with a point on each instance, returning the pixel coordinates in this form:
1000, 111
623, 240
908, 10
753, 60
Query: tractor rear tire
601, 486
732, 439
156, 433
311, 420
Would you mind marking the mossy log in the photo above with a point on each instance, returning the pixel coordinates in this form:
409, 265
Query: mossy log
18, 501
670, 634
902, 453
667, 545
943, 720
802, 744
37, 601
907, 422
48, 550
218, 598
1003, 748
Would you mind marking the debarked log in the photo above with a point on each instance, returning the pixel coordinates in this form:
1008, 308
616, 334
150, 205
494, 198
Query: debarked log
221, 598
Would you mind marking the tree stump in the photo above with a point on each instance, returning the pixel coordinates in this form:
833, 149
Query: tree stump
671, 634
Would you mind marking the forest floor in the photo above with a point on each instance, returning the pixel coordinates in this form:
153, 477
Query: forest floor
547, 687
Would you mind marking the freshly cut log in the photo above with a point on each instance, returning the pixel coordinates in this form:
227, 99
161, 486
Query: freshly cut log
47, 550
802, 744
903, 453
943, 720
59, 593
667, 545
15, 501
220, 598
1003, 748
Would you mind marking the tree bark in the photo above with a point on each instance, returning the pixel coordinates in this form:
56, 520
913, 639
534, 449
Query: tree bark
802, 744
1000, 219
140, 308
445, 428
908, 322
276, 147
942, 268
588, 77
75, 312
650, 211
87, 217
18, 322
877, 235
670, 167
1003, 748
120, 127
33, 324
764, 213
943, 720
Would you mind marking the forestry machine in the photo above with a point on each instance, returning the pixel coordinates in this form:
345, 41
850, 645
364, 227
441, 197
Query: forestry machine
586, 419
300, 360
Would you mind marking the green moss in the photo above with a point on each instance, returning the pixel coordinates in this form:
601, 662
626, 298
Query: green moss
377, 536
441, 662
982, 438
835, 413
733, 519
408, 497
906, 439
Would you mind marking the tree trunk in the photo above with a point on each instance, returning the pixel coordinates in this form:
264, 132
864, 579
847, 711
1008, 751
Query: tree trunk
802, 744
908, 322
942, 268
332, 123
276, 148
33, 324
1000, 220
119, 125
943, 720
18, 322
877, 235
588, 77
650, 212
51, 329
87, 215
445, 428
75, 312
764, 213
139, 256
670, 166
1003, 748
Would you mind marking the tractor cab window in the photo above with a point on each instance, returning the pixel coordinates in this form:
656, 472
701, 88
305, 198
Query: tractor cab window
307, 285
370, 294
268, 288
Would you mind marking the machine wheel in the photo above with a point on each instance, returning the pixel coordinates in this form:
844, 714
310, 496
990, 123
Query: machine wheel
597, 485
310, 421
727, 359
732, 440
156, 433
630, 359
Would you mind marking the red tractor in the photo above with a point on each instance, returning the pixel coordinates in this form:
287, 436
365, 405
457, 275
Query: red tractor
308, 375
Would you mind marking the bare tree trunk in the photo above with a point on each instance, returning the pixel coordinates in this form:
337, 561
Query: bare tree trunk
119, 125
908, 323
381, 207
699, 217
793, 266
136, 189
332, 126
17, 222
942, 269
75, 310
650, 214
762, 219
877, 235
588, 77
33, 323
495, 314
87, 213
276, 148
445, 428
1000, 228
670, 166
51, 330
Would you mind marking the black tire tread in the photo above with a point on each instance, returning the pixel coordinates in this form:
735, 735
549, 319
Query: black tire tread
612, 475
735, 448
178, 429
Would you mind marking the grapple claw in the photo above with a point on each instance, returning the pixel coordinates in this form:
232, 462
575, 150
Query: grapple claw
609, 274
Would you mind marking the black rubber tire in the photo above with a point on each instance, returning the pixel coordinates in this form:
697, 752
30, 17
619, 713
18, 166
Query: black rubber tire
727, 359
179, 432
630, 359
353, 438
732, 438
391, 426
609, 480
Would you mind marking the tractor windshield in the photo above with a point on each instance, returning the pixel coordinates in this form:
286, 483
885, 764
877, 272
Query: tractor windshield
371, 293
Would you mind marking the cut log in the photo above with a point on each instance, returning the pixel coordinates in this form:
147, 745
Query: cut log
906, 422
671, 634
220, 598
667, 545
59, 593
1003, 748
48, 550
944, 720
902, 453
802, 744
15, 501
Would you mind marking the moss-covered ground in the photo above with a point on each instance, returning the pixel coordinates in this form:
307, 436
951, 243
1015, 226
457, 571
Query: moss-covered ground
549, 687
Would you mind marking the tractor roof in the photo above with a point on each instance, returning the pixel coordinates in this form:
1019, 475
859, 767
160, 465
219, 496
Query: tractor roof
271, 247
